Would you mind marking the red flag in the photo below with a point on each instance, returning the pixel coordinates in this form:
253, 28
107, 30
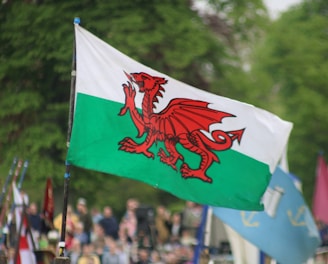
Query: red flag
320, 200
48, 204
25, 254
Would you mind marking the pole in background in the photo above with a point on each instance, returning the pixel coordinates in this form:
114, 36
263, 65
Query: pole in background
6, 202
10, 174
3, 232
13, 205
21, 179
200, 236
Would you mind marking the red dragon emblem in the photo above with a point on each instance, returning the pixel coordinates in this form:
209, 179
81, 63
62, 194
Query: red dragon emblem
180, 122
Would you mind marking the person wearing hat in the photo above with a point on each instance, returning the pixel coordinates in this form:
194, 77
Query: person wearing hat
84, 217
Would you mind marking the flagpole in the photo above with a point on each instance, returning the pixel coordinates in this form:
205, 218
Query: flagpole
61, 245
200, 235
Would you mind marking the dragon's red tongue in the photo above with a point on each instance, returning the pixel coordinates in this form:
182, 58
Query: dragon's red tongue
129, 76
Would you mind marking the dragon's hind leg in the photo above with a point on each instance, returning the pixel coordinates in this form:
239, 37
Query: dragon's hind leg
173, 156
195, 144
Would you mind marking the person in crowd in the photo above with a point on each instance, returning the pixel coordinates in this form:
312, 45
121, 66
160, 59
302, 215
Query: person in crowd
143, 256
113, 253
71, 219
109, 223
35, 221
11, 255
185, 254
129, 222
96, 215
99, 248
69, 236
79, 233
98, 234
144, 240
75, 252
88, 255
323, 231
161, 224
191, 217
84, 217
175, 228
155, 257
187, 238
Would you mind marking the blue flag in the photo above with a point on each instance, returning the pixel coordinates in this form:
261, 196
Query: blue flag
286, 230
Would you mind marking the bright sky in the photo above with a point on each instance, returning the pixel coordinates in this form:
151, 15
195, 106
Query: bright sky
277, 6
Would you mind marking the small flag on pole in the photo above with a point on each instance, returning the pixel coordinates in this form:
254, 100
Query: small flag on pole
320, 200
48, 207
286, 230
135, 122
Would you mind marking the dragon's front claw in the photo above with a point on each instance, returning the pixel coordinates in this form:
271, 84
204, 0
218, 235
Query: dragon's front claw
127, 144
161, 154
123, 110
130, 94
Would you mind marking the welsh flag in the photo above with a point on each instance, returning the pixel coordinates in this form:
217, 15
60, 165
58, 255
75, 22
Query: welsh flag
135, 122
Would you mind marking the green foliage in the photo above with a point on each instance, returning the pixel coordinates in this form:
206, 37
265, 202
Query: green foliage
294, 60
245, 18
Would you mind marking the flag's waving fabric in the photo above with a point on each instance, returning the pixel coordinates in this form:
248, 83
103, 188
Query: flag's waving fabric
135, 122
286, 230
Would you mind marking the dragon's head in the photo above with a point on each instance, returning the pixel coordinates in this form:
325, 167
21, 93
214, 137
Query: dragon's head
146, 82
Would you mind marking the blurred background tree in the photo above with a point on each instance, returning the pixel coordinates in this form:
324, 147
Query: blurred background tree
230, 48
290, 64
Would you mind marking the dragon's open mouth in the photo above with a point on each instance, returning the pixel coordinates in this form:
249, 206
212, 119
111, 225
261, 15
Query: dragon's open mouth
137, 82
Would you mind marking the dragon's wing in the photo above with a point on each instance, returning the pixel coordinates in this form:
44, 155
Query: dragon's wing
184, 116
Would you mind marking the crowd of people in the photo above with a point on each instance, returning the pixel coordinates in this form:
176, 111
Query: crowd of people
144, 234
